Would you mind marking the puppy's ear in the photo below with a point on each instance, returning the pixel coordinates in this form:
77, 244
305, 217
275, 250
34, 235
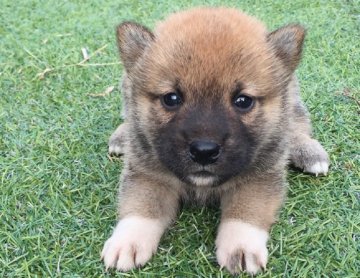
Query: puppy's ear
132, 39
287, 43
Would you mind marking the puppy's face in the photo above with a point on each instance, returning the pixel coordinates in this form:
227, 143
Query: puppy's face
209, 91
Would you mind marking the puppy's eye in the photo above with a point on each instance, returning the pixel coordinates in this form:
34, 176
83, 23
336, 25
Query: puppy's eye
243, 103
171, 100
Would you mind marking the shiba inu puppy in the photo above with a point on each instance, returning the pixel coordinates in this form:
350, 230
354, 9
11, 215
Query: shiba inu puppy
213, 114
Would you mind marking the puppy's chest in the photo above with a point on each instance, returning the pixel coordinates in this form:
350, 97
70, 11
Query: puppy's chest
201, 196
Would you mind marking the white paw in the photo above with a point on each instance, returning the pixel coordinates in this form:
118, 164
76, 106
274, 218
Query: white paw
318, 168
116, 150
241, 247
133, 242
118, 139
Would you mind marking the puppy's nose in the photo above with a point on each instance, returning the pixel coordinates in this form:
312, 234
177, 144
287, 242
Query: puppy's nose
204, 152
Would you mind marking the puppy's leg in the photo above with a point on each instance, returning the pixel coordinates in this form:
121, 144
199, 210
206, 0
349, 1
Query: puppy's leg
247, 215
146, 209
309, 155
305, 152
117, 140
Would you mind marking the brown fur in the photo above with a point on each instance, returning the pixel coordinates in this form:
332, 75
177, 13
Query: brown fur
206, 53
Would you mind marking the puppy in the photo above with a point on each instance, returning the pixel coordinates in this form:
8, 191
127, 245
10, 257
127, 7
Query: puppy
213, 114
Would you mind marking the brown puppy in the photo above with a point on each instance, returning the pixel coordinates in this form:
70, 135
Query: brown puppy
213, 113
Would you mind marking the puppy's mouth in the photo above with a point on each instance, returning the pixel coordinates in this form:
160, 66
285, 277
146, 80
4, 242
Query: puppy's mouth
203, 178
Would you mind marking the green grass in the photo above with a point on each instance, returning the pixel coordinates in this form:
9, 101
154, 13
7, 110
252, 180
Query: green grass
58, 187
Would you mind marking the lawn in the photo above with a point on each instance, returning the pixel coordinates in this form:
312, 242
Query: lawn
58, 185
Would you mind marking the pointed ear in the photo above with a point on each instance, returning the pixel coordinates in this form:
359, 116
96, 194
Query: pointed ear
287, 43
132, 39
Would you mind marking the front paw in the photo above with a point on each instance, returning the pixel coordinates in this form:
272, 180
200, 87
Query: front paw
310, 156
241, 247
117, 140
132, 244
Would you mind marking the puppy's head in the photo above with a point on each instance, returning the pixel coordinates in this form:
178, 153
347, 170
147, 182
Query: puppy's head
208, 91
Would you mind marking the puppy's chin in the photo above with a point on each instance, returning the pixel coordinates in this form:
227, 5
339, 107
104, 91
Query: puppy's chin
203, 179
